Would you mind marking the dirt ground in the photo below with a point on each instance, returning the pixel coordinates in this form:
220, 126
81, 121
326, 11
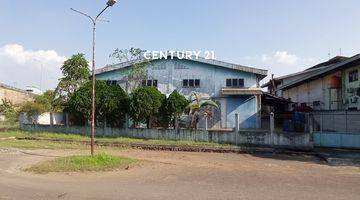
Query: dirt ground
181, 175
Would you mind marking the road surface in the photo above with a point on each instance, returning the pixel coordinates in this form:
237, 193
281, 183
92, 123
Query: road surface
181, 175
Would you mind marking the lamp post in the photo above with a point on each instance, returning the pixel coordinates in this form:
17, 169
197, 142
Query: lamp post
41, 71
94, 20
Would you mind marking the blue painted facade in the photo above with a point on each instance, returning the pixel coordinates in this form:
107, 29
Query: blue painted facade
170, 74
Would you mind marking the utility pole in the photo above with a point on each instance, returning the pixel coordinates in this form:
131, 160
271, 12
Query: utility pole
94, 21
41, 72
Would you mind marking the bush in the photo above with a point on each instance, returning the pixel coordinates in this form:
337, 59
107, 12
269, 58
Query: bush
111, 104
8, 110
172, 108
32, 109
116, 105
49, 102
145, 104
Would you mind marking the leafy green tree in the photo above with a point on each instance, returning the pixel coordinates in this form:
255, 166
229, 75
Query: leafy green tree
32, 109
139, 65
172, 108
200, 107
110, 107
145, 104
8, 110
42, 103
75, 72
115, 105
48, 101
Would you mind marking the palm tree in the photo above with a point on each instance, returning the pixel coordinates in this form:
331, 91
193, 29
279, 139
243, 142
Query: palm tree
200, 107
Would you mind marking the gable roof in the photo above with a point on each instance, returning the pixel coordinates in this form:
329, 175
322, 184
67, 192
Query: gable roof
309, 71
323, 71
333, 60
261, 72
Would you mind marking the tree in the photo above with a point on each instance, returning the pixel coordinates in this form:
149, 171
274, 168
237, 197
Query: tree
116, 106
172, 108
199, 107
48, 101
8, 110
75, 73
139, 64
110, 107
145, 104
32, 109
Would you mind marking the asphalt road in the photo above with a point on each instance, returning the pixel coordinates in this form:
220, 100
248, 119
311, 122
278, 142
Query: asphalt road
181, 175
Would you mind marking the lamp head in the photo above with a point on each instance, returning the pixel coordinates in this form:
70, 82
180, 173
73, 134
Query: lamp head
111, 2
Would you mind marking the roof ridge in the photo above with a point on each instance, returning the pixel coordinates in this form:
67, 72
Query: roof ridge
215, 62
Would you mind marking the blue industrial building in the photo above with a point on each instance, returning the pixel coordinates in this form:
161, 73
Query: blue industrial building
235, 87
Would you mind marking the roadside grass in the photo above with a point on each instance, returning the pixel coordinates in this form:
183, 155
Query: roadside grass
76, 139
6, 126
29, 144
81, 163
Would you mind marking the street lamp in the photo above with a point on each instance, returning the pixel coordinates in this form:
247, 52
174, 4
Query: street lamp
41, 71
94, 20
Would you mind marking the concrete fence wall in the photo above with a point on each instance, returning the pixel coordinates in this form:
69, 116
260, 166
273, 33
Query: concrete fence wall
241, 137
55, 118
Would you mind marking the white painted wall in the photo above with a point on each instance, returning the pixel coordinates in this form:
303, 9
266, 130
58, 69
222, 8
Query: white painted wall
43, 119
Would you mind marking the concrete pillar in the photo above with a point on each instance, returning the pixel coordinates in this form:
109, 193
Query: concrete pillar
206, 123
258, 111
237, 123
272, 123
67, 119
51, 119
177, 128
272, 128
126, 120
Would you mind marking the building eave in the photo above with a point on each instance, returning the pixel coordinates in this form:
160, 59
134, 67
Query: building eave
241, 91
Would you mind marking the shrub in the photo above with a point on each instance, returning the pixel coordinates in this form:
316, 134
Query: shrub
8, 110
32, 109
145, 104
172, 108
110, 103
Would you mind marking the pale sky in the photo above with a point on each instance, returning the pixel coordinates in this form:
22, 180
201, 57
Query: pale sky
279, 35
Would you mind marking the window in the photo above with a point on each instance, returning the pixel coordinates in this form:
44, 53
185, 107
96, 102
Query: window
185, 83
241, 82
191, 83
228, 83
153, 83
353, 76
194, 83
197, 82
111, 82
236, 83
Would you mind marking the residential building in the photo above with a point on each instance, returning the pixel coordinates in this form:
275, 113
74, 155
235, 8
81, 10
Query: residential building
331, 85
235, 87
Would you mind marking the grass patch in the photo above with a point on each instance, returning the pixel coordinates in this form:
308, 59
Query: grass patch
98, 162
80, 138
28, 144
